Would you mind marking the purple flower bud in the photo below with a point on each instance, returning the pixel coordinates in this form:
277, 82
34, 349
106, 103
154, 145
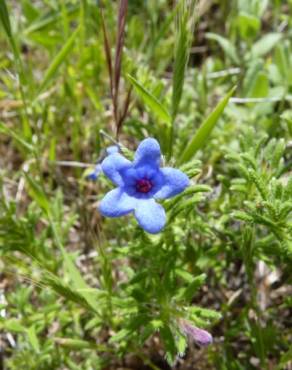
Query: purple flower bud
112, 149
200, 336
93, 176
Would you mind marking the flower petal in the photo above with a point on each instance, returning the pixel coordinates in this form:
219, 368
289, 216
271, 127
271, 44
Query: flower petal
112, 149
116, 203
148, 152
93, 176
113, 166
174, 182
150, 215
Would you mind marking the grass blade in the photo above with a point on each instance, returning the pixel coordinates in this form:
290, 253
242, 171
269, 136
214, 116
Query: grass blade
185, 27
38, 194
154, 105
227, 46
58, 60
264, 45
79, 283
4, 17
22, 142
204, 131
5, 20
180, 60
50, 19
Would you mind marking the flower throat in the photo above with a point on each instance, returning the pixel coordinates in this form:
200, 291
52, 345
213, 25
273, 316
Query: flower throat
143, 185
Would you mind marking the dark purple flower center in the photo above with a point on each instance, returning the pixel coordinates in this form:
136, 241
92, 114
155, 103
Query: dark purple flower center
143, 185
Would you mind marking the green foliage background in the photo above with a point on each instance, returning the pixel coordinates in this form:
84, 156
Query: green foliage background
212, 81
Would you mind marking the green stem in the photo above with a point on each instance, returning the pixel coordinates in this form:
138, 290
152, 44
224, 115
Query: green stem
248, 259
22, 82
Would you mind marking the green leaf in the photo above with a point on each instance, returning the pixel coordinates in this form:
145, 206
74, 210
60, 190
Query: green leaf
63, 290
185, 25
32, 337
265, 45
50, 19
181, 343
188, 293
165, 27
6, 130
180, 61
13, 325
120, 336
255, 67
75, 344
226, 45
285, 359
282, 60
78, 281
154, 105
38, 194
248, 25
4, 17
169, 344
57, 61
260, 86
204, 131
203, 313
29, 10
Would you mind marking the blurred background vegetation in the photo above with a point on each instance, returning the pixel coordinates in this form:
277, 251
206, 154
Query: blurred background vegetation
56, 102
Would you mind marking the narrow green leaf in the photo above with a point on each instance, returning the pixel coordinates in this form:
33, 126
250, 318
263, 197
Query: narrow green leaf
255, 67
282, 61
165, 27
49, 19
57, 61
226, 45
204, 131
169, 344
76, 278
76, 344
121, 335
6, 130
78, 281
265, 44
260, 86
12, 325
185, 25
248, 25
37, 194
188, 293
4, 17
64, 290
180, 63
204, 313
151, 101
32, 337
285, 359
30, 11
181, 343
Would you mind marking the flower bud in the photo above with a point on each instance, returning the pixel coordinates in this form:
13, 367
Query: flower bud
200, 336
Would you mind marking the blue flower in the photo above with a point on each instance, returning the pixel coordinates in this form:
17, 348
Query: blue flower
139, 184
94, 175
112, 149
